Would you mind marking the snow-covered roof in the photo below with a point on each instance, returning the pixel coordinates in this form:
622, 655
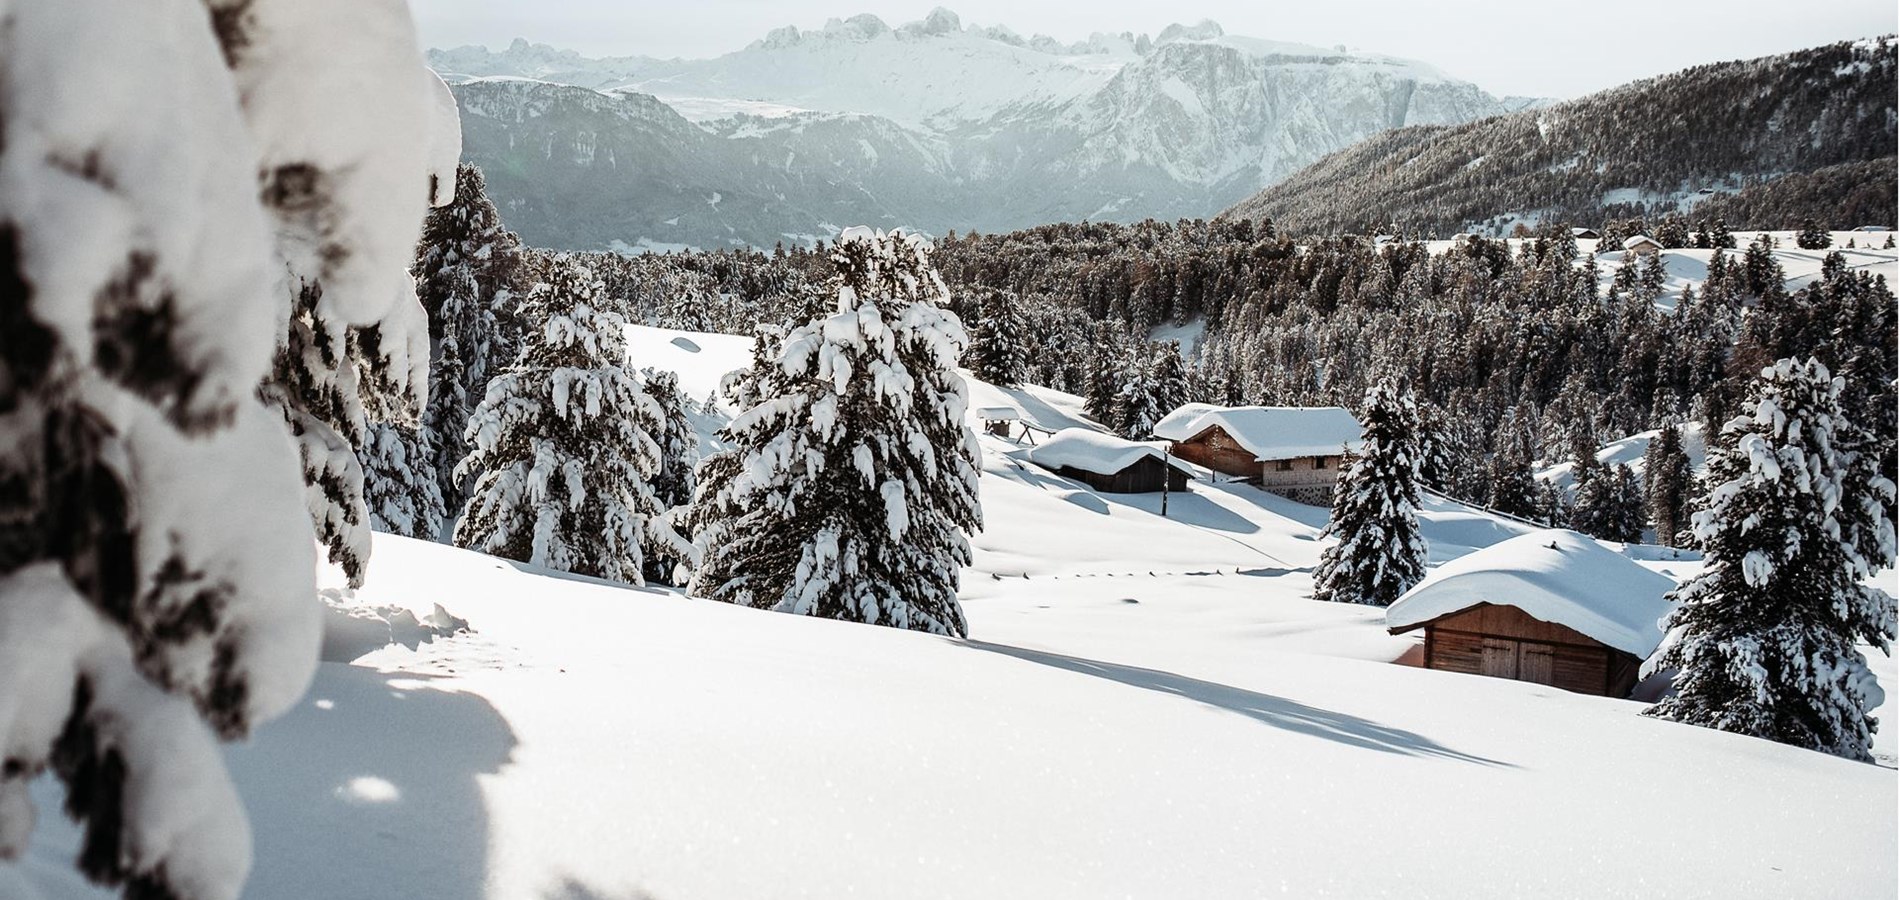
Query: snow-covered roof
1268, 432
1632, 242
998, 414
1554, 575
1093, 451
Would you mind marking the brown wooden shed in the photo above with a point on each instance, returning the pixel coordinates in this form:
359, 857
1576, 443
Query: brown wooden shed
1507, 642
1552, 607
1108, 463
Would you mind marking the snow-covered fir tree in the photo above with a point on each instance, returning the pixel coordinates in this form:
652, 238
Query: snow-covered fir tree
1150, 380
562, 450
1513, 490
1626, 510
1762, 276
1380, 552
1669, 483
1138, 405
399, 484
1812, 236
1107, 372
1764, 638
467, 271
1608, 503
346, 214
1439, 450
998, 351
157, 558
851, 484
664, 549
1168, 371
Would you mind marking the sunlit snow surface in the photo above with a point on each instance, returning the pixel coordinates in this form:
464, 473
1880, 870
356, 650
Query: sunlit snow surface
1147, 707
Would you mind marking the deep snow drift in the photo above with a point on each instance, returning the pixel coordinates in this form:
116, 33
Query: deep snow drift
1147, 707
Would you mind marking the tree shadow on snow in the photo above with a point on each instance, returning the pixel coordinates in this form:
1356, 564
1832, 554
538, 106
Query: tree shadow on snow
574, 889
1279, 712
1311, 516
369, 788
1275, 572
1189, 508
1035, 410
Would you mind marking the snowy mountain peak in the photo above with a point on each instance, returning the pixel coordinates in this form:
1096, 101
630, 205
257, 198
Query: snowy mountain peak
863, 26
940, 21
1205, 30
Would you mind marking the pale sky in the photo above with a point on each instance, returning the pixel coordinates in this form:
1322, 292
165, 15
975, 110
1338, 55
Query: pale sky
1527, 48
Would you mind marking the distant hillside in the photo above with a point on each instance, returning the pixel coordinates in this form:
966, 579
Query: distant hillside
1652, 146
1845, 196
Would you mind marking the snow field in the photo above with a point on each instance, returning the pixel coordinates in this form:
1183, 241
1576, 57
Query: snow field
1201, 731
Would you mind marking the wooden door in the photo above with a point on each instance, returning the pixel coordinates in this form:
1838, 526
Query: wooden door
1500, 658
1536, 662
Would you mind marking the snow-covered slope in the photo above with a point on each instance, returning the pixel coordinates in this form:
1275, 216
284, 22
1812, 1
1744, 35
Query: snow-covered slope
1629, 451
943, 126
1148, 707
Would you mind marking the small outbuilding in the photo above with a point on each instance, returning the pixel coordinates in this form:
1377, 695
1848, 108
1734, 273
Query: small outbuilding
1108, 463
1642, 245
998, 420
1288, 450
1553, 607
1585, 234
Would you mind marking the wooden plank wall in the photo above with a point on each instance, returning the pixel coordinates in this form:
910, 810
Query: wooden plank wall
1525, 648
1511, 622
1217, 450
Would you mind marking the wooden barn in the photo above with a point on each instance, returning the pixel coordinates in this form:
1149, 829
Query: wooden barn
1108, 463
1291, 451
1552, 607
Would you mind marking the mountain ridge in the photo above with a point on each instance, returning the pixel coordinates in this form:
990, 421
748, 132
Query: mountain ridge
943, 126
1651, 147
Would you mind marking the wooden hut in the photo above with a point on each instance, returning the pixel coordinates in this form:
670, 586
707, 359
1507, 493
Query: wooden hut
1584, 234
1291, 451
1642, 245
1552, 607
1108, 463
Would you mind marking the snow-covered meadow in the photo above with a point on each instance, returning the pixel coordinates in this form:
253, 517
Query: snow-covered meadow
1689, 267
1146, 707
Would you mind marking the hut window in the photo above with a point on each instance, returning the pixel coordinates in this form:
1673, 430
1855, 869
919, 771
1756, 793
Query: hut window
1319, 462
1285, 465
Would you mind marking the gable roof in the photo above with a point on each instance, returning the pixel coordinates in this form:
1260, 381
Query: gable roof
1268, 432
1634, 241
1554, 575
1093, 451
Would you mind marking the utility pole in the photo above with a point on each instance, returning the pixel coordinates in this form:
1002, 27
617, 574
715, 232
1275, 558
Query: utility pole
1167, 475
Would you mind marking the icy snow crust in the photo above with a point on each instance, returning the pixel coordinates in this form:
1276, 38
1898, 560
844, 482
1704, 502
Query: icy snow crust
1093, 451
1556, 576
1268, 432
